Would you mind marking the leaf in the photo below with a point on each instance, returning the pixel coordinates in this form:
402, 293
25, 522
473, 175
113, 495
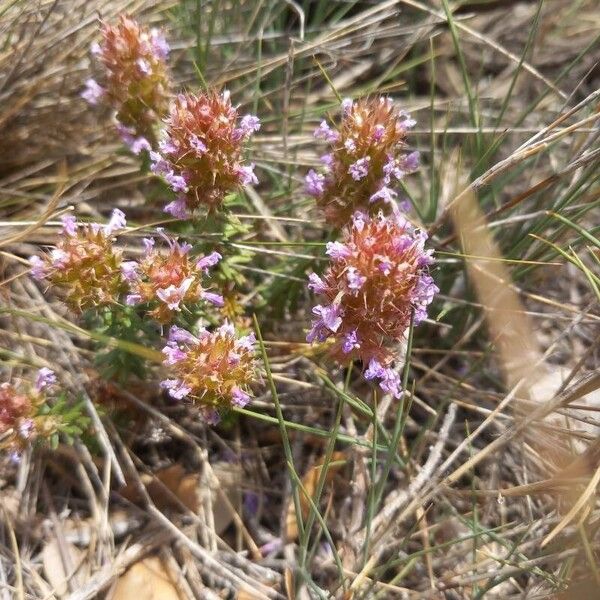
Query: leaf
147, 579
309, 482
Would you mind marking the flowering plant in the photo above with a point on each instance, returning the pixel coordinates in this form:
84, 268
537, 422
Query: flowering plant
377, 278
200, 155
213, 369
135, 83
368, 156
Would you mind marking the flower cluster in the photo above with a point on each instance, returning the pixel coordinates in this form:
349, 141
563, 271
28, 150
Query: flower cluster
367, 158
376, 279
212, 369
200, 155
21, 421
84, 263
135, 83
168, 279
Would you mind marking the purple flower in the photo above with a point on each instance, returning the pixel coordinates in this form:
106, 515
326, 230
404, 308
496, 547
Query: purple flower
59, 258
239, 397
330, 316
139, 145
38, 267
148, 244
327, 160
350, 145
337, 250
93, 92
355, 279
133, 299
359, 219
374, 370
173, 295
247, 342
211, 416
378, 132
391, 383
69, 224
347, 105
159, 44
175, 388
328, 321
324, 132
208, 261
247, 176
177, 208
197, 144
227, 329
314, 183
385, 266
422, 296
129, 270
117, 221
173, 354
176, 182
249, 124
95, 48
180, 335
158, 165
360, 169
213, 298
167, 146
316, 284
45, 378
385, 194
350, 342
410, 163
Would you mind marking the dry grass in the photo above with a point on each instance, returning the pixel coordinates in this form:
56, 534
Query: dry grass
486, 471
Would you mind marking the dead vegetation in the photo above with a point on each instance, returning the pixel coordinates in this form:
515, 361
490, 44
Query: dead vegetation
486, 473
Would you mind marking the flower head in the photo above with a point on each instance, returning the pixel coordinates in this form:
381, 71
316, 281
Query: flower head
212, 369
134, 82
366, 159
376, 279
200, 155
85, 264
21, 419
169, 278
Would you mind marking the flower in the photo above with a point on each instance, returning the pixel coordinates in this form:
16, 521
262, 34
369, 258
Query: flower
24, 416
377, 278
367, 156
85, 264
45, 378
169, 279
211, 369
134, 82
200, 154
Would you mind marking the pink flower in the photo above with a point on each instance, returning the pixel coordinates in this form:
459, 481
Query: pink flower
173, 295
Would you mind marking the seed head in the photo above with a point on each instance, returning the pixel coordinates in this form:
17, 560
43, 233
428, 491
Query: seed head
376, 279
135, 83
212, 369
169, 279
84, 263
366, 159
200, 156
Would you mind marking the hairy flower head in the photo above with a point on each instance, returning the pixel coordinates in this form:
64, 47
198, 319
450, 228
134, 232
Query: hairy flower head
84, 263
21, 421
169, 278
366, 159
213, 369
134, 82
200, 156
376, 279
